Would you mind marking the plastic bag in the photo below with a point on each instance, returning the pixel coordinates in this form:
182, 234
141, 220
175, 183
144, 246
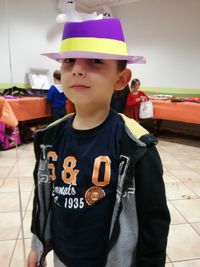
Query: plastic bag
146, 110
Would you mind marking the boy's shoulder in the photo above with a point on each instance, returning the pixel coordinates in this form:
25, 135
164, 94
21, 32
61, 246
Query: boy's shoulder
52, 130
137, 134
133, 129
133, 126
52, 87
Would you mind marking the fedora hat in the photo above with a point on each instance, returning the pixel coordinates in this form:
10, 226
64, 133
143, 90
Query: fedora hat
102, 39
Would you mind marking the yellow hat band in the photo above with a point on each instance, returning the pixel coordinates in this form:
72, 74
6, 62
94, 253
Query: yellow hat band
96, 45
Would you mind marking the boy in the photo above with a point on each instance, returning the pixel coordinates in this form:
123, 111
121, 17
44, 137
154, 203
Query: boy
99, 193
56, 97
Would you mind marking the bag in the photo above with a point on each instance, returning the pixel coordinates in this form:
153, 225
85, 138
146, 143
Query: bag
146, 110
9, 136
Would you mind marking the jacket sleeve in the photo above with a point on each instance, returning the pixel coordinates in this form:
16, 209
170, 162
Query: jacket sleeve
153, 213
36, 245
35, 198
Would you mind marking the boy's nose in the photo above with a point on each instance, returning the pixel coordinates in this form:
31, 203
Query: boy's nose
79, 68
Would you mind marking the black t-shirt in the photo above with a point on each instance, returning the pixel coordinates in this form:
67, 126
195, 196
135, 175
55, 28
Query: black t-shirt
84, 169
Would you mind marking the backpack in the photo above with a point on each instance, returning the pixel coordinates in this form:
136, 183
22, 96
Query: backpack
9, 136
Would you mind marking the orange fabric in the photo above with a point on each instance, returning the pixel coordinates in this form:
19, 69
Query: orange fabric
177, 111
27, 108
21, 109
70, 107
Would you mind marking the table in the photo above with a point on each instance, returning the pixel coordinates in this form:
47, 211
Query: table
177, 111
12, 111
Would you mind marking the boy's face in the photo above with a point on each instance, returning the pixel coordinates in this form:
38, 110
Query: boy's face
91, 81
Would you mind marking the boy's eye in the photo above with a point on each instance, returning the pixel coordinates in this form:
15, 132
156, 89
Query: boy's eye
69, 60
92, 61
96, 61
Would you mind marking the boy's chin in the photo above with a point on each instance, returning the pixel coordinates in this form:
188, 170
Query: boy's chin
81, 102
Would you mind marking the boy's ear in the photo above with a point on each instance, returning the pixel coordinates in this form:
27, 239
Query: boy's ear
123, 79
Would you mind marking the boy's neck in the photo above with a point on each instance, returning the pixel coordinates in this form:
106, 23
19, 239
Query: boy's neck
56, 82
87, 119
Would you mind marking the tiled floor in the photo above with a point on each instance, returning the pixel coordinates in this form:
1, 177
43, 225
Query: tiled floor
180, 158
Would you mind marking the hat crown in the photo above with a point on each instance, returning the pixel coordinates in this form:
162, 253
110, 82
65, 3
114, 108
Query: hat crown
102, 38
103, 28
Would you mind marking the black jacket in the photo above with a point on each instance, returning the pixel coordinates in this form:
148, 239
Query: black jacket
140, 220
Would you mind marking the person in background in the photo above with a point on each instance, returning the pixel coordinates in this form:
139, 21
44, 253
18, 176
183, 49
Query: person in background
56, 97
118, 99
135, 97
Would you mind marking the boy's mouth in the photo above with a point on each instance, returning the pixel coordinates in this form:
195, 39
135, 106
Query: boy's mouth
79, 87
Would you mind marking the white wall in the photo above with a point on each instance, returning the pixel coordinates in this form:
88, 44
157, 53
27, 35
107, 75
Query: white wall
4, 52
167, 33
33, 30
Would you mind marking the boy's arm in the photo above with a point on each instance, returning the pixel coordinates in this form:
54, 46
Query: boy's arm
32, 260
35, 252
36, 245
50, 93
153, 214
144, 95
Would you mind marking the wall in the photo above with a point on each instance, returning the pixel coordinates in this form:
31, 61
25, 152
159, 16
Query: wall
33, 30
5, 62
166, 32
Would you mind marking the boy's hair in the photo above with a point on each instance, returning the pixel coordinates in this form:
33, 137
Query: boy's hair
121, 65
57, 75
134, 81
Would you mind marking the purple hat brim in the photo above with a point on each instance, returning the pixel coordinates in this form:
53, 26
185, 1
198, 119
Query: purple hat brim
80, 54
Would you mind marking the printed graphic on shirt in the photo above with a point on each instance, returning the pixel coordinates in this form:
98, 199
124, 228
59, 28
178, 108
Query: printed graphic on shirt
69, 195
43, 176
123, 167
94, 194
